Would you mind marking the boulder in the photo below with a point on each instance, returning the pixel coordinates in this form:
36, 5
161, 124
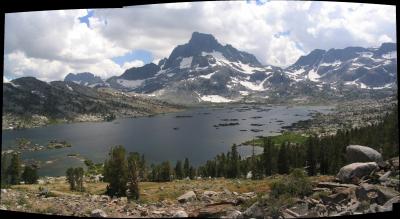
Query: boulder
385, 176
233, 214
188, 196
255, 211
214, 210
227, 192
355, 170
388, 206
332, 185
394, 163
98, 213
358, 153
209, 193
180, 214
379, 194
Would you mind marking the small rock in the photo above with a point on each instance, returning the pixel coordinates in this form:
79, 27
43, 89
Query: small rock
233, 214
249, 194
180, 214
254, 211
240, 200
4, 191
2, 207
249, 175
226, 191
188, 196
385, 176
158, 212
394, 162
332, 185
98, 213
209, 193
214, 210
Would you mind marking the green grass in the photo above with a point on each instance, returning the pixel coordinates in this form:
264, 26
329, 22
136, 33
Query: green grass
279, 139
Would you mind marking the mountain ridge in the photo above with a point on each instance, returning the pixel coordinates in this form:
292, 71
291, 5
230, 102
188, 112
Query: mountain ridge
203, 68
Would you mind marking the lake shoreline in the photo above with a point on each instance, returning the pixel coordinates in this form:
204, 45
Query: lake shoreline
38, 121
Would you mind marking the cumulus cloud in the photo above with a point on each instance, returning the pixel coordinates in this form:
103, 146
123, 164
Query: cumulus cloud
50, 44
134, 63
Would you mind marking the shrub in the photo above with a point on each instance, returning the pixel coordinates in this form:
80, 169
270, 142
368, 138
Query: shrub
297, 184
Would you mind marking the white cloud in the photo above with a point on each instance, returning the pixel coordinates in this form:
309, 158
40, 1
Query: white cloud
51, 44
134, 63
182, 5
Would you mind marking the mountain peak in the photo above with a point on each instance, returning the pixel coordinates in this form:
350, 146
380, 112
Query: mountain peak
206, 40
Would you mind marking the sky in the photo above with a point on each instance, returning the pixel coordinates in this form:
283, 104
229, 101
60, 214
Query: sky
50, 44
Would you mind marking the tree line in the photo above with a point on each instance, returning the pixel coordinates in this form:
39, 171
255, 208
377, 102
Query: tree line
318, 155
13, 172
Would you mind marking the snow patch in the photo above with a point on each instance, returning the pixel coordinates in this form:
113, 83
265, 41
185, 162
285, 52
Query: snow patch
130, 83
14, 85
253, 86
69, 88
390, 55
215, 99
336, 63
208, 76
389, 85
313, 76
186, 62
244, 93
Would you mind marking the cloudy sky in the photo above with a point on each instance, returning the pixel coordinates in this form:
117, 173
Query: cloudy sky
50, 44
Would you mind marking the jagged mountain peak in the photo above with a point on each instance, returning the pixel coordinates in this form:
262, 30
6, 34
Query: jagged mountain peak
85, 78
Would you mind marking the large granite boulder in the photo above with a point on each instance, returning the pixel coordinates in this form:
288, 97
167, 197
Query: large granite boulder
358, 153
355, 170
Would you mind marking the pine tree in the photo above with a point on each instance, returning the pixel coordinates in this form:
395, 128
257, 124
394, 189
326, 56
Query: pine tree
283, 166
142, 169
192, 172
134, 165
14, 169
186, 167
178, 170
71, 178
311, 157
30, 176
267, 156
234, 162
166, 171
78, 172
116, 171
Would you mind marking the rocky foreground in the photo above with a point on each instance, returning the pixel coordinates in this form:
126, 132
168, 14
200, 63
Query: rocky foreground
366, 185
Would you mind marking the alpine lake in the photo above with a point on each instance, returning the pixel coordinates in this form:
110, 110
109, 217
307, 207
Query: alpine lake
197, 133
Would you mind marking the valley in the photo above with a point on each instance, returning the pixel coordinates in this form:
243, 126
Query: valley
261, 140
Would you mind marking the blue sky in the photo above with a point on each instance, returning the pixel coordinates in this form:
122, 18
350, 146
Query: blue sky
85, 19
137, 54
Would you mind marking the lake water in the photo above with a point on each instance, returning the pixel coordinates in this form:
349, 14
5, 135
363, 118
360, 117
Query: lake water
162, 137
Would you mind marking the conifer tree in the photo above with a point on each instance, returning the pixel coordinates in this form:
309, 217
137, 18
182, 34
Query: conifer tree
283, 166
116, 171
14, 169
